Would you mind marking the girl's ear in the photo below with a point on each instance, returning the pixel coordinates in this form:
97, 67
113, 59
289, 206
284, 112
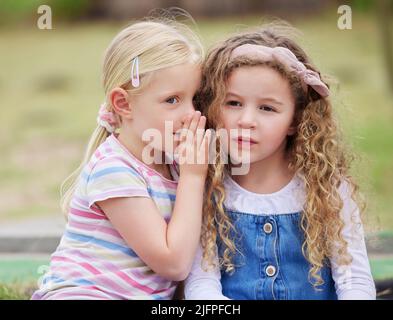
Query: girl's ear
120, 102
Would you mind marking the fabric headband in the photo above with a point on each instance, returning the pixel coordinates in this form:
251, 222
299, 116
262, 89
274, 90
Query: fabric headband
287, 58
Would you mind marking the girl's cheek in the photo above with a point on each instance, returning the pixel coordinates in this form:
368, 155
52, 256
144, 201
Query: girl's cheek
227, 121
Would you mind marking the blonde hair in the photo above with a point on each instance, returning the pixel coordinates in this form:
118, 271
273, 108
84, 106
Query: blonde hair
158, 43
316, 154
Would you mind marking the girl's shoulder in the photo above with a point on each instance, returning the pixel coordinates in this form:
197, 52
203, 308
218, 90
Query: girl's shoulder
112, 147
111, 172
112, 156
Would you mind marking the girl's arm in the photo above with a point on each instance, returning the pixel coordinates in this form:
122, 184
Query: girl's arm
167, 248
203, 285
353, 281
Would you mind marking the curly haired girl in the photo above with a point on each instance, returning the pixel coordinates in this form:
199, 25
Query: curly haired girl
289, 227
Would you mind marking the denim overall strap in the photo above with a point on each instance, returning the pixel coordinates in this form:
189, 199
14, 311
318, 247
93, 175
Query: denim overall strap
271, 264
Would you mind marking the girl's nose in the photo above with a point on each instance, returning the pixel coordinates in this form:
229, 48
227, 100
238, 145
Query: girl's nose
247, 119
189, 108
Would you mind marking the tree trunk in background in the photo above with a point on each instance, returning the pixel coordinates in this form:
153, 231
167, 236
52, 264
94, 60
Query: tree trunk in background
385, 16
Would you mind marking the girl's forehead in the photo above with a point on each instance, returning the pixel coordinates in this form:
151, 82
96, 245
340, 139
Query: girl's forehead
258, 82
183, 76
263, 75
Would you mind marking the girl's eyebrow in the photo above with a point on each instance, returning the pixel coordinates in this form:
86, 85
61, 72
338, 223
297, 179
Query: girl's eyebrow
233, 94
270, 99
172, 93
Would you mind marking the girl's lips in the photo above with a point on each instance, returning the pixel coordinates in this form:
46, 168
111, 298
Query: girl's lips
241, 140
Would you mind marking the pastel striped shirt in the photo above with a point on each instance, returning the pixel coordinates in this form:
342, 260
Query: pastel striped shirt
92, 260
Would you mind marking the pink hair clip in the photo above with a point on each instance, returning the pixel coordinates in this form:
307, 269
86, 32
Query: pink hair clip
135, 75
107, 119
287, 58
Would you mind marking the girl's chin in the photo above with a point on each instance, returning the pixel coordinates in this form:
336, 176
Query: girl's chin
241, 158
238, 162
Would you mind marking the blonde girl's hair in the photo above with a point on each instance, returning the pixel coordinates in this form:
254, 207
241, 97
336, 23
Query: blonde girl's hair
158, 42
316, 152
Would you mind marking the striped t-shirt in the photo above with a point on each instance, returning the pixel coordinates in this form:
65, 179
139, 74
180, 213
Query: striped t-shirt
92, 260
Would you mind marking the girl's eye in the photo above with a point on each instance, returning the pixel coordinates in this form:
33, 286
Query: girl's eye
266, 108
233, 103
172, 100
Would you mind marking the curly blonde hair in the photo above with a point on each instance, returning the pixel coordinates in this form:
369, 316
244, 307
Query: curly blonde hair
316, 151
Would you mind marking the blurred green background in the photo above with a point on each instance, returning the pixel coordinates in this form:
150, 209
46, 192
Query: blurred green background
50, 88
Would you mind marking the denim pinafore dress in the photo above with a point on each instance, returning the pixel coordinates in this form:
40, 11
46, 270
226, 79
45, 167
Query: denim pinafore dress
270, 264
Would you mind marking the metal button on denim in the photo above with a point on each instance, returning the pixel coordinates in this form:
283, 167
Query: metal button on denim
267, 227
271, 271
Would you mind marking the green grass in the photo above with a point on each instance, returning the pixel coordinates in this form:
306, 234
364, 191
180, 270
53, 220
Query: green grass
382, 268
15, 292
50, 89
22, 270
19, 276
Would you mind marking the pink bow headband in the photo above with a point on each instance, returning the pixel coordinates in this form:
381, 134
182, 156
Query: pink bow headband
287, 58
108, 119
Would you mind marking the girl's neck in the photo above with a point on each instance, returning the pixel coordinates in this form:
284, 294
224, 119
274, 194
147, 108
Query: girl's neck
135, 146
266, 176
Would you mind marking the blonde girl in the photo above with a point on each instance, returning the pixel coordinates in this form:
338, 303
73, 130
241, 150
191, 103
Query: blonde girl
289, 228
133, 224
